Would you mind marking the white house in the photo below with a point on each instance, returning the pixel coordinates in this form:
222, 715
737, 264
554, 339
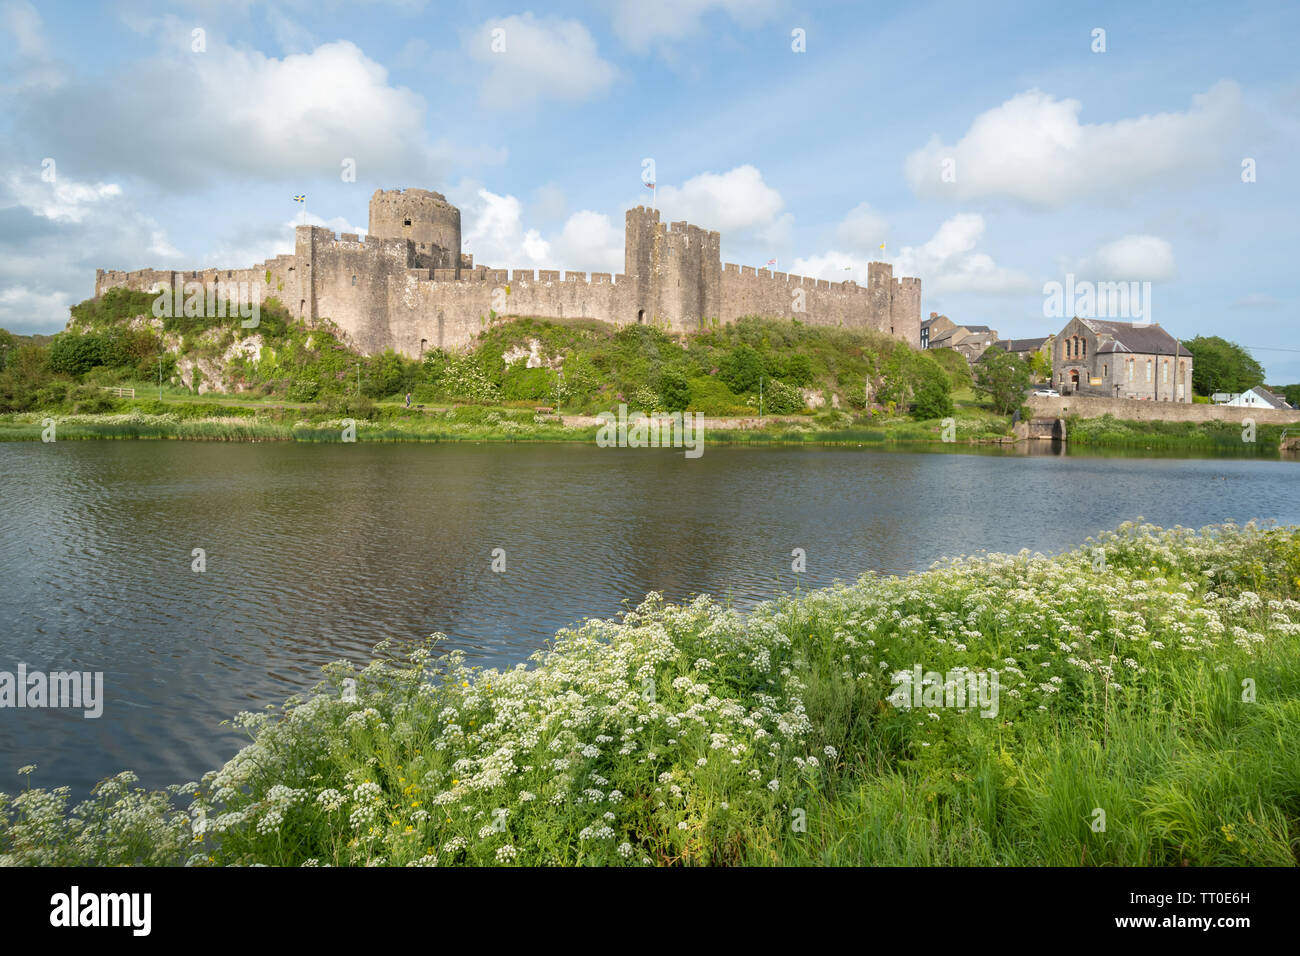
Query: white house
1257, 397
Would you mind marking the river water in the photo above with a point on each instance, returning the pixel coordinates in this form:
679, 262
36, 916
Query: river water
316, 552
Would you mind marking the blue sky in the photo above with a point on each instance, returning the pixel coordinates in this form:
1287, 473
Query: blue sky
1125, 164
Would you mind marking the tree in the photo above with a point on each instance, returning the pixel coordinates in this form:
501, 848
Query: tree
1290, 392
906, 373
932, 401
73, 354
741, 368
799, 370
387, 375
1003, 377
1222, 366
1040, 366
675, 390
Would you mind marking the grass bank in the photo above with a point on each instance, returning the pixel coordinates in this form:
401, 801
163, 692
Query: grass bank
1110, 432
1149, 705
206, 422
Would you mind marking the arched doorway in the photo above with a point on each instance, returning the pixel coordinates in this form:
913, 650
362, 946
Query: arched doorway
640, 316
1074, 379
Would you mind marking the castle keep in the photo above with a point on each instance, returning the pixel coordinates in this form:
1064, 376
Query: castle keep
409, 287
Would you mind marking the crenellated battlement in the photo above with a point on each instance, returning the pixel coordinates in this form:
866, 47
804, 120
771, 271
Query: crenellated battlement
406, 284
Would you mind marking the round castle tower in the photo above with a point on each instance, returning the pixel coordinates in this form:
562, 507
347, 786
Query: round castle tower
425, 218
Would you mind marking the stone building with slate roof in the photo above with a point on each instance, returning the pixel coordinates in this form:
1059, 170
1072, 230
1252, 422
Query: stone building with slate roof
1121, 360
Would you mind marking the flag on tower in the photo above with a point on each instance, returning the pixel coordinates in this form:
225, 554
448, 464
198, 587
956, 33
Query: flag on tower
300, 198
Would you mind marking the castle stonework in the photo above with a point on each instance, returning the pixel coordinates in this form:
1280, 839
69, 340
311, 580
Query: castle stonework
409, 287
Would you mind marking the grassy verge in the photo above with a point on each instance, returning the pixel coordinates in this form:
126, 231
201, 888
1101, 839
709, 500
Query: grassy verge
1108, 431
1149, 704
393, 423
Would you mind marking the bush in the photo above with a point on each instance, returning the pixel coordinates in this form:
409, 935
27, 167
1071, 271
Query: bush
350, 406
303, 390
740, 369
675, 391
932, 401
74, 354
781, 399
799, 370
528, 384
906, 373
712, 397
89, 400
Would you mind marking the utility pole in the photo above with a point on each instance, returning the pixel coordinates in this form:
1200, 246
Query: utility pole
760, 396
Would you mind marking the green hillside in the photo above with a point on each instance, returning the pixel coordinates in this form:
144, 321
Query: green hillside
577, 366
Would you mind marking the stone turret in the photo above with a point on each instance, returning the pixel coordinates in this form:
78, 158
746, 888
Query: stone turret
425, 218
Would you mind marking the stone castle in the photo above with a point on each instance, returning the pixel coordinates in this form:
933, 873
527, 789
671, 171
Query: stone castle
407, 286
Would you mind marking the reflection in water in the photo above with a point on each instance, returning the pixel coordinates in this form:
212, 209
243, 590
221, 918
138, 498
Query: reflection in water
316, 552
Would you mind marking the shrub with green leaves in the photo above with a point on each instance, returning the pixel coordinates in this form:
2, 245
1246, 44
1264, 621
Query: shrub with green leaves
740, 369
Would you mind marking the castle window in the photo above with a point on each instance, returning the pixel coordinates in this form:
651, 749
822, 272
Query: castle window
406, 222
354, 280
1105, 370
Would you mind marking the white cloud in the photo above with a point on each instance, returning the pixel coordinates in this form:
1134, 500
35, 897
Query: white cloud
947, 262
236, 112
862, 228
835, 265
1131, 257
31, 64
589, 242
1034, 149
535, 59
730, 202
249, 244
56, 234
640, 24
63, 200
495, 234
26, 312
